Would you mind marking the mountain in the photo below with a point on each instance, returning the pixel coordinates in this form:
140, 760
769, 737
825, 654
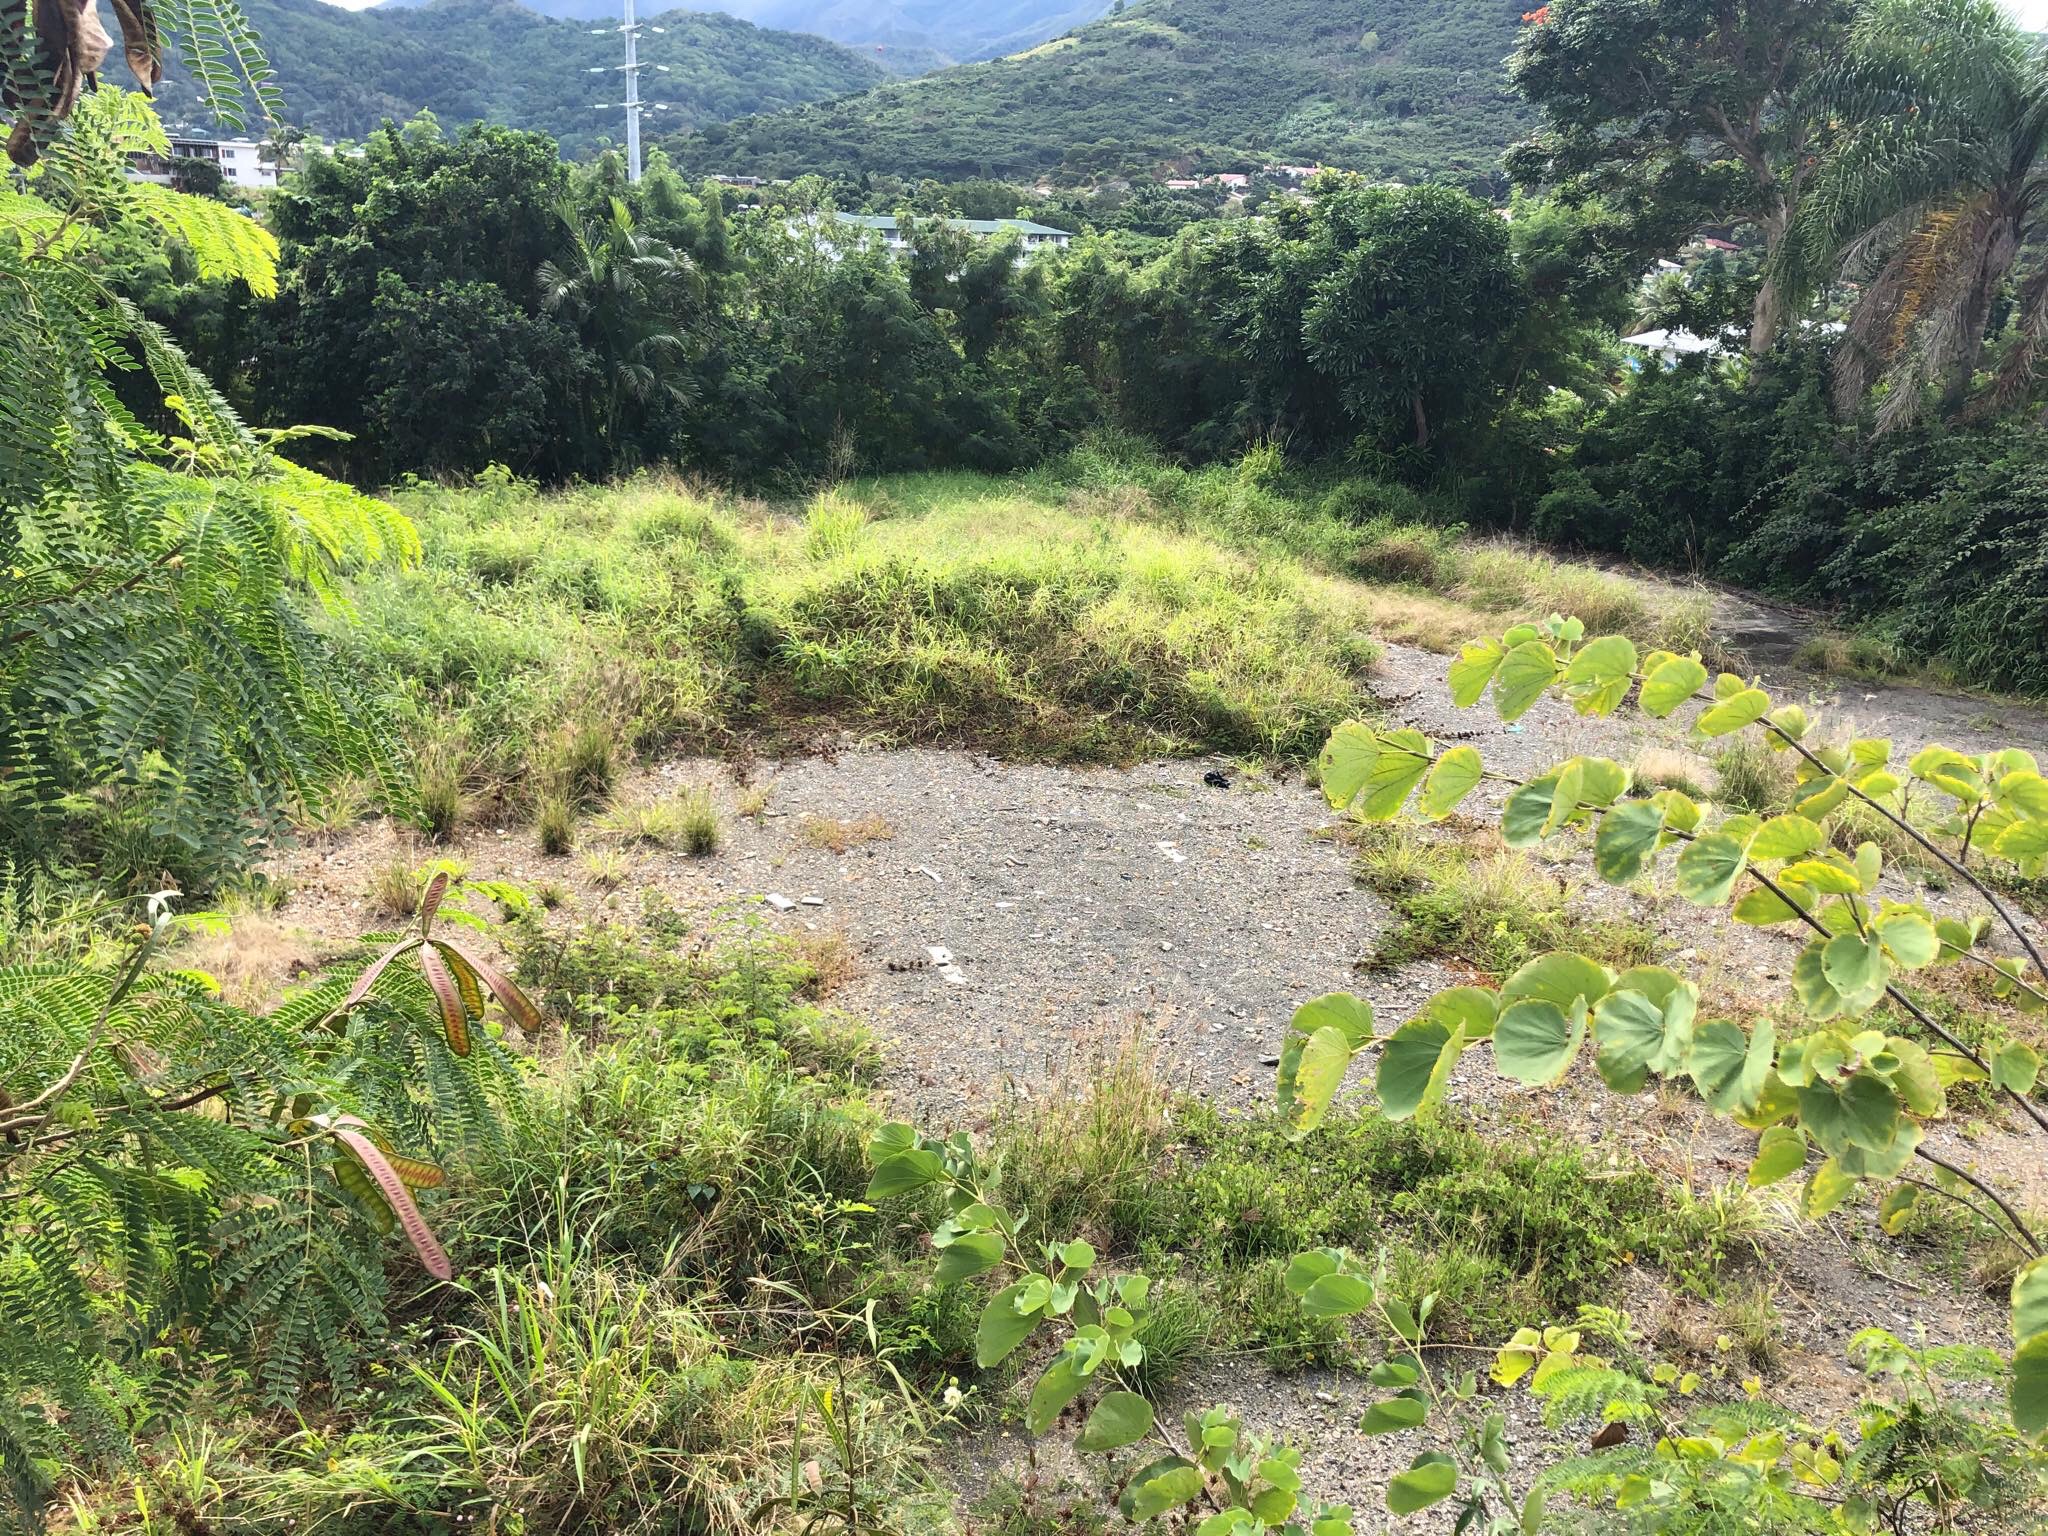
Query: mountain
1410, 88
344, 72
926, 33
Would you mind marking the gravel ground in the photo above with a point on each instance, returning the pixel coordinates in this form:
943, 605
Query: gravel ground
1071, 907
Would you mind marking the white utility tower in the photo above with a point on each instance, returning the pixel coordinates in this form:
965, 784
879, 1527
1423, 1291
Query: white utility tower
633, 104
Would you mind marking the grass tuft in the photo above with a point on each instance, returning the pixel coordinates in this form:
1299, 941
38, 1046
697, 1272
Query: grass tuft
838, 836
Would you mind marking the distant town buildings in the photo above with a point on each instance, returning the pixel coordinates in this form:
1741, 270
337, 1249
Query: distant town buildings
1033, 236
240, 161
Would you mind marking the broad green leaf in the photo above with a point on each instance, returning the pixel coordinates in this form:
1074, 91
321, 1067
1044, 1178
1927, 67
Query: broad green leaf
2028, 1394
1565, 795
1456, 774
1524, 673
1910, 938
1403, 760
1059, 1386
1948, 771
1470, 1009
1305, 1269
2025, 794
1708, 868
1670, 684
1780, 1153
1002, 1326
1346, 761
1916, 1078
2030, 1300
1598, 677
1860, 1111
1117, 1420
1159, 1486
2022, 840
1827, 1188
1527, 811
1790, 719
1535, 1040
1626, 839
1392, 1414
1786, 837
1630, 1031
971, 1253
1337, 1295
1822, 877
1729, 1067
2015, 1068
1897, 1206
1560, 977
904, 1172
1473, 670
1395, 1371
1733, 713
1324, 1060
1337, 1010
1854, 965
1761, 908
1813, 990
1780, 1101
1429, 1480
1415, 1066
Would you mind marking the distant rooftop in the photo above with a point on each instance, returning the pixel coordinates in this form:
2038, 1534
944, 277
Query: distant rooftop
887, 223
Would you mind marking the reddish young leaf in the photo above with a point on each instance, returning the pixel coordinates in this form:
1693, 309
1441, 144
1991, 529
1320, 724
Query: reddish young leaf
465, 978
375, 969
1609, 1436
454, 1018
396, 1195
431, 902
515, 1002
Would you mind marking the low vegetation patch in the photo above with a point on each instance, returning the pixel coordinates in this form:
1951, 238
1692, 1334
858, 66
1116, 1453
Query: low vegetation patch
1472, 899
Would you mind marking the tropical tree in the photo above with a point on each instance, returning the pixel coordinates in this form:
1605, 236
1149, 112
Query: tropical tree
1935, 186
164, 698
624, 290
1678, 111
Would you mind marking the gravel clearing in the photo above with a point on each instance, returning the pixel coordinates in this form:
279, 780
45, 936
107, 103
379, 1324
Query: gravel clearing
1012, 919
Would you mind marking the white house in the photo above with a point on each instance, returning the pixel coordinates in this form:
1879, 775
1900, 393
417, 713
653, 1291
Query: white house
240, 161
1670, 345
1032, 236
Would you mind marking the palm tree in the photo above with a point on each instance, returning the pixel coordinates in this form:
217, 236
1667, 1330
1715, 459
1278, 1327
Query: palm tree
1934, 183
624, 290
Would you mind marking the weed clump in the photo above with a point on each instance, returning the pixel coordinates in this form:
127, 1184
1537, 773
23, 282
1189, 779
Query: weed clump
1474, 899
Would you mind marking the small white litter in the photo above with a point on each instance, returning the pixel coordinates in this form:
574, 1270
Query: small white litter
778, 901
942, 962
1168, 851
926, 869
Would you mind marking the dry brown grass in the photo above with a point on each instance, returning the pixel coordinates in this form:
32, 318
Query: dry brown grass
254, 956
829, 958
1662, 768
838, 836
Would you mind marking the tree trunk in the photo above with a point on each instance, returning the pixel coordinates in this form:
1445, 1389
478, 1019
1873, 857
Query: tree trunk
1993, 264
1767, 313
1421, 424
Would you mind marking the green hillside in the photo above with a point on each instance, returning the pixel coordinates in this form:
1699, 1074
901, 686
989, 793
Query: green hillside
1413, 88
344, 72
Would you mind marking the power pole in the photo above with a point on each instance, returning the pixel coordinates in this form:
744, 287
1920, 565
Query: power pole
631, 69
632, 95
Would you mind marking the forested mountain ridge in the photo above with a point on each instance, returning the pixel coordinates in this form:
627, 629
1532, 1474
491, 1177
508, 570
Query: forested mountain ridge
1400, 88
939, 30
344, 72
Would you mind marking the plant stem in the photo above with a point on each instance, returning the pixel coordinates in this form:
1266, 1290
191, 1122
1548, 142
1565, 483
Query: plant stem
2020, 1228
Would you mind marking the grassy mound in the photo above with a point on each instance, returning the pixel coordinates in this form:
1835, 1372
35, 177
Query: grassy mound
1105, 608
